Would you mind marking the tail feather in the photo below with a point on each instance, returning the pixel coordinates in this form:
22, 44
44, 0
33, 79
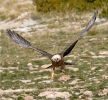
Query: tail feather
18, 39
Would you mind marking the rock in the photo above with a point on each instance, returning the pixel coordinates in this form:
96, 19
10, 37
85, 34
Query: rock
27, 97
100, 56
93, 68
92, 53
69, 61
50, 96
25, 81
36, 66
93, 39
29, 64
46, 81
45, 66
23, 15
98, 20
74, 81
103, 52
89, 98
74, 69
11, 91
64, 78
44, 93
28, 22
105, 76
54, 94
89, 93
105, 91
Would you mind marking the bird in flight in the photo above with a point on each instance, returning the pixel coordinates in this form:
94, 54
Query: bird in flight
56, 59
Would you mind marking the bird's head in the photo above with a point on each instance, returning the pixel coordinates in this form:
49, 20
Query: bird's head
56, 58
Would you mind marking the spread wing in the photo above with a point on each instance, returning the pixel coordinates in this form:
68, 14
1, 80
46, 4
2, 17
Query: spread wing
23, 42
68, 49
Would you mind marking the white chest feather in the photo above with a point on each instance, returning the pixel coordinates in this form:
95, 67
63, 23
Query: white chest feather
56, 58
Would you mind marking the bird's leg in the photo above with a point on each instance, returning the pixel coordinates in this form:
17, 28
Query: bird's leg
62, 68
52, 73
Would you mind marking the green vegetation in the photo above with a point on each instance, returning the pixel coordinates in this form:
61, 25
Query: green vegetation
64, 5
72, 5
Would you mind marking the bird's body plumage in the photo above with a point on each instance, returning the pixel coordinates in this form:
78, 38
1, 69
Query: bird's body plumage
57, 59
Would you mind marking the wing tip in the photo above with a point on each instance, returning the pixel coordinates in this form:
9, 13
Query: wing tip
96, 11
95, 14
8, 31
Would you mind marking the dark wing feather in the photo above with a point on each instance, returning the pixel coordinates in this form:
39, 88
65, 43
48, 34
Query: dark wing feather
21, 41
18, 39
68, 49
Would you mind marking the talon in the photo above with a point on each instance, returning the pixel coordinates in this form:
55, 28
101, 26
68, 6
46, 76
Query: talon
62, 71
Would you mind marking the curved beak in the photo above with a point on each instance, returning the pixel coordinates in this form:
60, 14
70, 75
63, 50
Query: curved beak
56, 60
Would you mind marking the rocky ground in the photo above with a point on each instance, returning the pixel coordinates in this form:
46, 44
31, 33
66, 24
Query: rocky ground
24, 77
